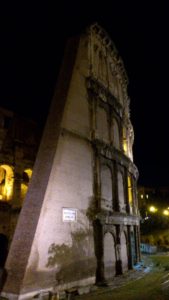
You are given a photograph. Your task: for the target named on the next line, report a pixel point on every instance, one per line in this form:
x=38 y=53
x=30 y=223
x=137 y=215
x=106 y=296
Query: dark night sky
x=32 y=43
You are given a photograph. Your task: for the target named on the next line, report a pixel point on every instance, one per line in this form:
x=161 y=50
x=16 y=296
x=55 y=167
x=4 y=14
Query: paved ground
x=120 y=281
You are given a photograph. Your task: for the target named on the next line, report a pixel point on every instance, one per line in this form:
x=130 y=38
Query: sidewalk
x=138 y=272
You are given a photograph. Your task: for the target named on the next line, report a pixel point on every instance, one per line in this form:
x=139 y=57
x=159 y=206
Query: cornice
x=109 y=44
x=109 y=152
x=103 y=93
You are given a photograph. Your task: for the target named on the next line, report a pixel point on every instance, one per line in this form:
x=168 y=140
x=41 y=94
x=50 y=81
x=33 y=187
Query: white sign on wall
x=69 y=214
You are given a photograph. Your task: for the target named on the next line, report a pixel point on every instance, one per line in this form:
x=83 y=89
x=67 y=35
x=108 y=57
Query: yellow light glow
x=130 y=195
x=153 y=209
x=166 y=212
x=29 y=172
x=6 y=182
x=24 y=189
x=141 y=196
x=125 y=144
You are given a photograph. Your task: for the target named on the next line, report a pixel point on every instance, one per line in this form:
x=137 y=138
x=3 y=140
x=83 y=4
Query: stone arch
x=130 y=193
x=125 y=141
x=133 y=247
x=102 y=124
x=26 y=176
x=6 y=182
x=121 y=195
x=102 y=67
x=113 y=82
x=115 y=135
x=106 y=187
x=124 y=251
x=109 y=256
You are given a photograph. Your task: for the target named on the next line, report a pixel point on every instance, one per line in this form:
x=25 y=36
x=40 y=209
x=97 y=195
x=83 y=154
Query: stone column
x=137 y=237
x=130 y=260
x=97 y=182
x=116 y=205
x=118 y=251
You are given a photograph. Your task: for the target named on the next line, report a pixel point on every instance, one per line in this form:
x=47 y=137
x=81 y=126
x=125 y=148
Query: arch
x=133 y=247
x=109 y=256
x=6 y=182
x=102 y=124
x=128 y=137
x=113 y=82
x=124 y=252
x=115 y=134
x=122 y=206
x=106 y=187
x=3 y=249
x=130 y=193
x=125 y=141
x=26 y=176
x=102 y=67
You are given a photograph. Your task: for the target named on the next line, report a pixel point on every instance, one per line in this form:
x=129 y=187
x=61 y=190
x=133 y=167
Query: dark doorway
x=3 y=249
x=98 y=243
x=133 y=248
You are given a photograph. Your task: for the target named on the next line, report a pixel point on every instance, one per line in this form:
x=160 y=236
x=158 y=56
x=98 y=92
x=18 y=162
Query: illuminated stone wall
x=80 y=219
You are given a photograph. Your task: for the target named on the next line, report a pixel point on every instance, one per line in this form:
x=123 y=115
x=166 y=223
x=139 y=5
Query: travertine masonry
x=79 y=223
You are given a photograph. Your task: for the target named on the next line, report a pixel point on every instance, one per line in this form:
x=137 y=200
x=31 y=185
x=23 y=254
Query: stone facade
x=18 y=148
x=80 y=223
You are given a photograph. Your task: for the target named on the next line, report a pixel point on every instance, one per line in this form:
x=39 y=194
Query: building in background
x=154 y=213
x=19 y=140
x=80 y=222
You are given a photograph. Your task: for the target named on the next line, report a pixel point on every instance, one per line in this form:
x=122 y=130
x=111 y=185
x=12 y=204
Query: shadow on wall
x=76 y=259
x=3 y=256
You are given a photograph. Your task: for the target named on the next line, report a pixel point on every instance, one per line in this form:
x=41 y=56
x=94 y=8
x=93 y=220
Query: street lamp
x=153 y=209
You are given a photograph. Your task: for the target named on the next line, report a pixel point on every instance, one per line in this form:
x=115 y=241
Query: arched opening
x=102 y=68
x=133 y=247
x=6 y=183
x=26 y=176
x=115 y=134
x=109 y=256
x=130 y=194
x=124 y=252
x=106 y=188
x=125 y=142
x=102 y=124
x=113 y=81
x=3 y=249
x=122 y=206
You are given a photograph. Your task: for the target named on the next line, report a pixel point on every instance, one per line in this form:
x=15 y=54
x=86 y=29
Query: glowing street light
x=153 y=209
x=166 y=212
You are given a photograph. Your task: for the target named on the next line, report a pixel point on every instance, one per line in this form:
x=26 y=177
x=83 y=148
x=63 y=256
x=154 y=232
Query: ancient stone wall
x=80 y=212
